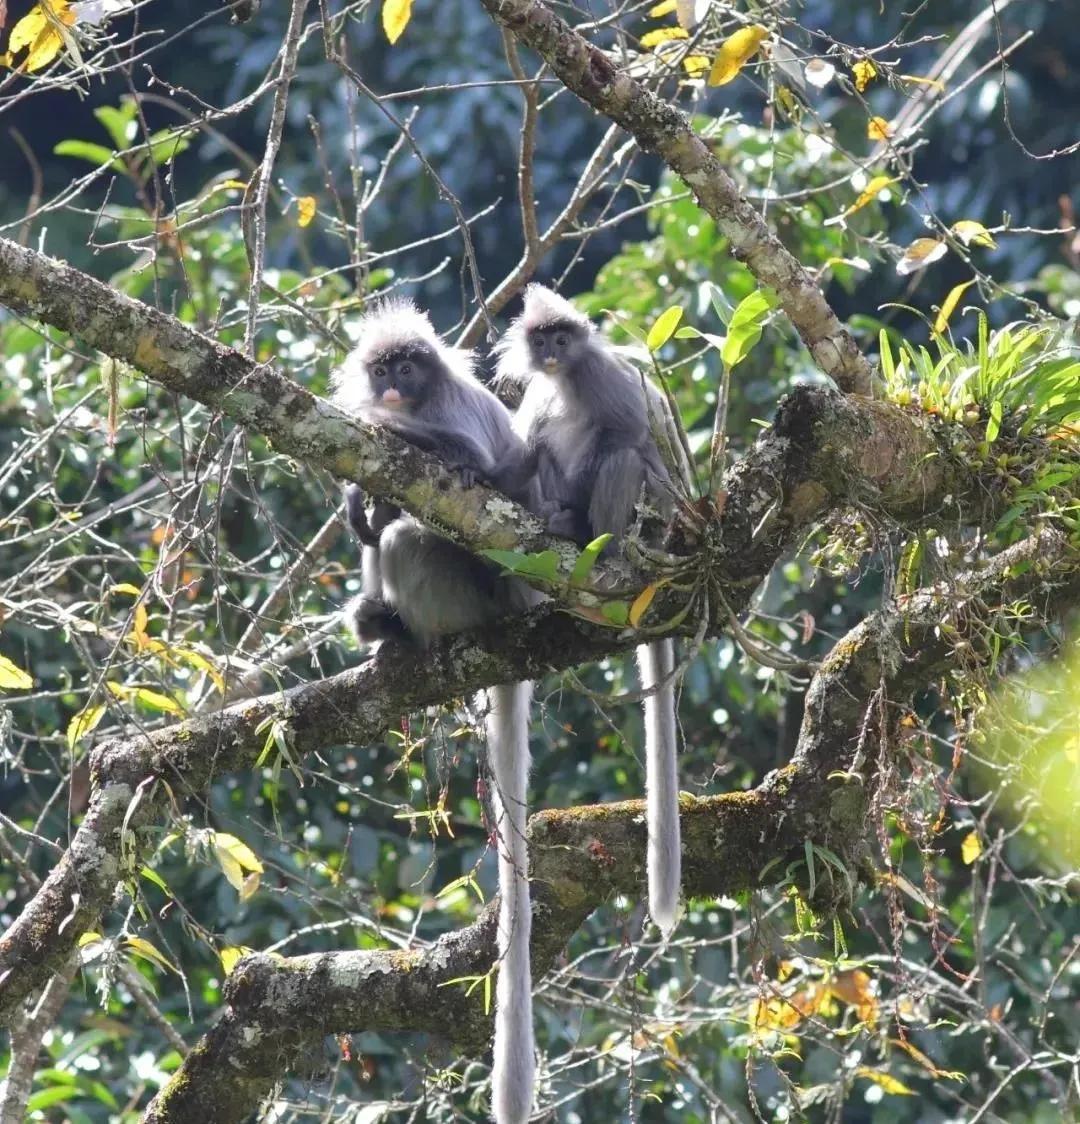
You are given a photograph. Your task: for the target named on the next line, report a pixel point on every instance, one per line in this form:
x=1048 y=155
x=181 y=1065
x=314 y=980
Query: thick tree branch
x=659 y=127
x=261 y=399
x=823 y=450
x=279 y=1011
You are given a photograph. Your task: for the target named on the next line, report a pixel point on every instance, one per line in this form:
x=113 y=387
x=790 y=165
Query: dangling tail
x=655 y=662
x=508 y=747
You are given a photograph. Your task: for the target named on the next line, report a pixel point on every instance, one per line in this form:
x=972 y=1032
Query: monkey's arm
x=457 y=449
x=357 y=515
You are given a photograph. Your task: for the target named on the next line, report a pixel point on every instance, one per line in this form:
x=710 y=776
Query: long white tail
x=655 y=662
x=508 y=748
x=370 y=572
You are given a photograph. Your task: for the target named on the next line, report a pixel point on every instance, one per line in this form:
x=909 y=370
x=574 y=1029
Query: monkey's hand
x=382 y=515
x=357 y=515
x=370 y=619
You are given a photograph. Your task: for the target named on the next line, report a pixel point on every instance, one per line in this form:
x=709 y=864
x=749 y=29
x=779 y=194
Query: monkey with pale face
x=588 y=420
x=418 y=586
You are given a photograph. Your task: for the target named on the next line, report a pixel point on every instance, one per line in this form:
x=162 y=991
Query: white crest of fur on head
x=391 y=326
x=543 y=306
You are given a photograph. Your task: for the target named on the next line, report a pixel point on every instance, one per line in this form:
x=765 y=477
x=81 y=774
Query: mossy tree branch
x=581 y=857
x=659 y=127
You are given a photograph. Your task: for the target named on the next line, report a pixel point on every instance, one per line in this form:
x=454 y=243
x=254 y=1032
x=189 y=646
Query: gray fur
x=419 y=584
x=588 y=420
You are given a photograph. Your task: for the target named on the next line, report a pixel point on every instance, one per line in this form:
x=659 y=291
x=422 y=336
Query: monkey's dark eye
x=405 y=369
x=562 y=339
x=379 y=371
x=538 y=339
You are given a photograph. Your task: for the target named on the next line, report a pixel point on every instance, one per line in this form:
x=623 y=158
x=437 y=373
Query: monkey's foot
x=370 y=619
x=563 y=522
x=468 y=475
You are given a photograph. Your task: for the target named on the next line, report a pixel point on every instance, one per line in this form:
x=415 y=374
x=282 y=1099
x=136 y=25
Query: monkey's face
x=402 y=380
x=555 y=347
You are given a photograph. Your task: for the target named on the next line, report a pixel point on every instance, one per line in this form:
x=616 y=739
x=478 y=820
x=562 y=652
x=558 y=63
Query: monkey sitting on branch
x=588 y=419
x=418 y=585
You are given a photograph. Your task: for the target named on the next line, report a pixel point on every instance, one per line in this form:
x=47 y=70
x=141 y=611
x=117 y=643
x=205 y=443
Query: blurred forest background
x=124 y=510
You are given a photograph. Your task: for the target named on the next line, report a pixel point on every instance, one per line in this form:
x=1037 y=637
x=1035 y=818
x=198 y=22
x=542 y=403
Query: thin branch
x=660 y=127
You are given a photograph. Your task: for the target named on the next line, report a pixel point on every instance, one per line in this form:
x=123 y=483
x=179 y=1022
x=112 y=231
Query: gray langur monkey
x=418 y=585
x=588 y=420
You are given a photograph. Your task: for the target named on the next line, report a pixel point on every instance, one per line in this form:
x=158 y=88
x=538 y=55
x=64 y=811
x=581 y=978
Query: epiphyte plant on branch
x=270 y=858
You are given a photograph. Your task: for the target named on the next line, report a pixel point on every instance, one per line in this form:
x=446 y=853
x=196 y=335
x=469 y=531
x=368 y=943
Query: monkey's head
x=404 y=378
x=554 y=334
x=398 y=363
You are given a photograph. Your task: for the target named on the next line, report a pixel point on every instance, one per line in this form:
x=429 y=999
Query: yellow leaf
x=971 y=232
x=867 y=195
x=149 y=698
x=395 y=17
x=232 y=955
x=663 y=9
x=88 y=938
x=885 y=1081
x=948 y=306
x=924 y=1061
x=856 y=988
x=124 y=587
x=971 y=848
x=156 y=701
x=12 y=677
x=235 y=857
x=642 y=602
x=920 y=254
x=662 y=35
x=878 y=129
x=664 y=328
x=788 y=102
x=38 y=32
x=198 y=660
x=865 y=72
x=735 y=52
x=249 y=886
x=147 y=951
x=936 y=83
x=695 y=65
x=305 y=210
x=141 y=619
x=83 y=723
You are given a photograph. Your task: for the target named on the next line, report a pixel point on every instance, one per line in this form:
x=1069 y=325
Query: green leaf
x=616 y=612
x=92 y=153
x=663 y=328
x=586 y=560
x=45 y=1097
x=153 y=876
x=146 y=951
x=745 y=328
x=119 y=122
x=544 y=565
x=164 y=145
x=993 y=425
